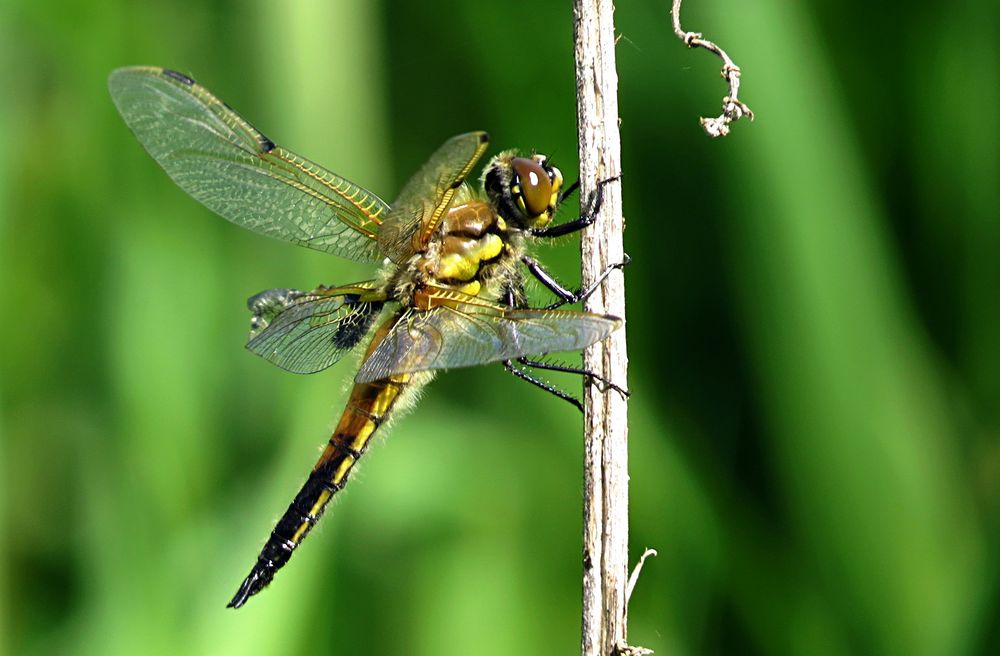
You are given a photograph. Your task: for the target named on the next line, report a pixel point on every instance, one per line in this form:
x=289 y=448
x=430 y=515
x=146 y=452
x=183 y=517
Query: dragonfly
x=450 y=291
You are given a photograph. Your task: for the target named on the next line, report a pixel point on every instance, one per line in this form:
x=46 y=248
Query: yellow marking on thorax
x=463 y=264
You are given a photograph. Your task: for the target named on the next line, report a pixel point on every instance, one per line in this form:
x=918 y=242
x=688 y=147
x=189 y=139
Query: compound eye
x=535 y=186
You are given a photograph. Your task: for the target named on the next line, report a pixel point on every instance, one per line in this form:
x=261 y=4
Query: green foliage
x=813 y=314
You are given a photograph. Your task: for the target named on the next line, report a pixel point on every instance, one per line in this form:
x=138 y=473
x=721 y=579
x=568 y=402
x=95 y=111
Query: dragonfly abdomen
x=367 y=409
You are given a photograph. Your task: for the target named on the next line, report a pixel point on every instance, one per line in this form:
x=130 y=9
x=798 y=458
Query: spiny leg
x=568 y=191
x=565 y=295
x=514 y=296
x=601 y=381
x=537 y=382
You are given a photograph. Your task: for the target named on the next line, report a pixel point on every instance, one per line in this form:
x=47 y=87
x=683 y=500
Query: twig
x=733 y=108
x=627 y=650
x=632 y=580
x=605 y=507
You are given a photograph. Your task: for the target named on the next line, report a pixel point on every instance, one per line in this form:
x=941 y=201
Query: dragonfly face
x=525 y=190
x=451 y=293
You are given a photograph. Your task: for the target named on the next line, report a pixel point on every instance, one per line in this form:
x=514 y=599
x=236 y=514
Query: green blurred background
x=814 y=323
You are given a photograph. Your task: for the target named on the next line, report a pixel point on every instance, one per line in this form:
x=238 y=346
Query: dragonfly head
x=524 y=189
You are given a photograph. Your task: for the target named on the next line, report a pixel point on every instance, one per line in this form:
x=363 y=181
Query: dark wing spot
x=180 y=77
x=353 y=329
x=266 y=144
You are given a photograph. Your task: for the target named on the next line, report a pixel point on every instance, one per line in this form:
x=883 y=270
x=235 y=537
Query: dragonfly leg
x=512 y=293
x=594 y=204
x=565 y=295
x=547 y=279
x=537 y=382
x=603 y=383
x=568 y=191
x=511 y=296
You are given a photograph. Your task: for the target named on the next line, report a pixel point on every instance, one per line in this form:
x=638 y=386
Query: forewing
x=306 y=332
x=428 y=195
x=221 y=160
x=467 y=335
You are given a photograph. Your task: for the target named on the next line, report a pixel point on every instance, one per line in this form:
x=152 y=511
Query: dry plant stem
x=605 y=525
x=733 y=108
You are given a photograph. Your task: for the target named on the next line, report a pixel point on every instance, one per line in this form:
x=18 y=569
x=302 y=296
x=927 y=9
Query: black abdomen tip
x=258 y=579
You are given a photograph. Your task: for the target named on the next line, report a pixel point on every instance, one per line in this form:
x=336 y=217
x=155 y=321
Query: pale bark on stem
x=605 y=511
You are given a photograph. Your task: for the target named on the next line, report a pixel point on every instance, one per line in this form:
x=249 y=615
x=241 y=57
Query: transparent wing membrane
x=306 y=332
x=465 y=334
x=428 y=195
x=221 y=160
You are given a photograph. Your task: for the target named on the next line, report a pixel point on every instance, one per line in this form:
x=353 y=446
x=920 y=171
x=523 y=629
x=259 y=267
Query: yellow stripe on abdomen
x=366 y=410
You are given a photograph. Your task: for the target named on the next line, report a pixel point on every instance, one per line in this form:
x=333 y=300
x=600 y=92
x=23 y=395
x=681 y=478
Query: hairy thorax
x=471 y=251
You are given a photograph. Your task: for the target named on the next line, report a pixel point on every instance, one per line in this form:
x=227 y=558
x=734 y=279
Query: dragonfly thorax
x=472 y=247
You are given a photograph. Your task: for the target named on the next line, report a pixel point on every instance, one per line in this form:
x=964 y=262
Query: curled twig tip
x=733 y=109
